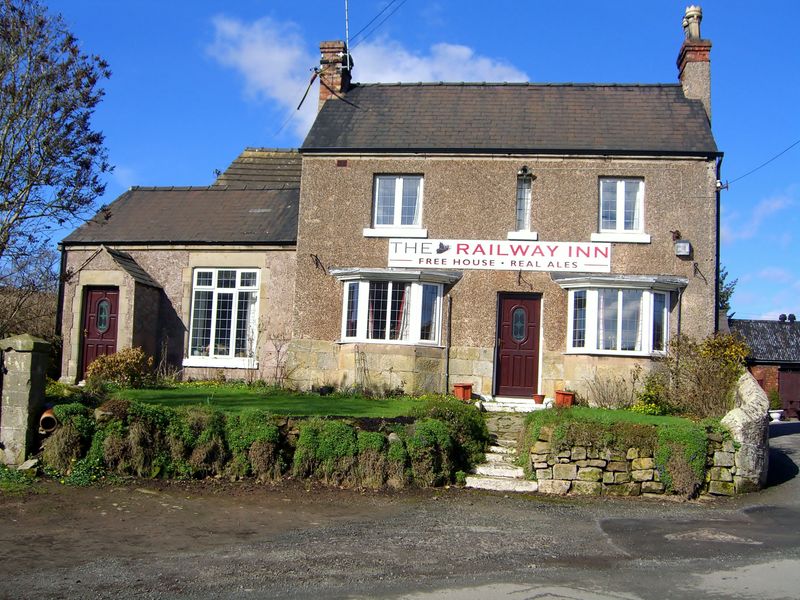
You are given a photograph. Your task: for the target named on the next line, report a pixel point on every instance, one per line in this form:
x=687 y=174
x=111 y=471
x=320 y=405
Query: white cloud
x=776 y=274
x=735 y=228
x=388 y=61
x=274 y=60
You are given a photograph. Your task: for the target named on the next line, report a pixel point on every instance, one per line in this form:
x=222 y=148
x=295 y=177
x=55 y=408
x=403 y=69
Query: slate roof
x=769 y=341
x=131 y=267
x=521 y=118
x=262 y=166
x=191 y=215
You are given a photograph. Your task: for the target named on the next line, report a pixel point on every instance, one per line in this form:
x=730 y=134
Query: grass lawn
x=233 y=399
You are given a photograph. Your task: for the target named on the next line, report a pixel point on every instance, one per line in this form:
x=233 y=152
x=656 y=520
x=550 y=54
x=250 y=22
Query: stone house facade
x=517 y=237
x=200 y=278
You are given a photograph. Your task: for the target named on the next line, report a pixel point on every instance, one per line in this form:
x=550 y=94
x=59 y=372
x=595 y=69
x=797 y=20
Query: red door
x=100 y=309
x=789 y=386
x=517 y=364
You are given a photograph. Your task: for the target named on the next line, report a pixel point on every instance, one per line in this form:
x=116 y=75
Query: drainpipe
x=447 y=343
x=60 y=308
x=680 y=309
x=716 y=278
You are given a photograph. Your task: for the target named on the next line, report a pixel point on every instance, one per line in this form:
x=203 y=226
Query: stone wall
x=585 y=470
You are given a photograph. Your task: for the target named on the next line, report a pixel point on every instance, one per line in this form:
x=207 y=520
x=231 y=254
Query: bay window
x=224 y=318
x=392 y=311
x=610 y=320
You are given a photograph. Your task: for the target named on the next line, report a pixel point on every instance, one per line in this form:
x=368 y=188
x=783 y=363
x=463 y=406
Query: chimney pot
x=782 y=318
x=691 y=22
x=792 y=318
x=335 y=65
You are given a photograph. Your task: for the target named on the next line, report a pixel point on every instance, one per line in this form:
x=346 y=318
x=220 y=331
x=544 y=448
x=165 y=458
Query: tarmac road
x=286 y=541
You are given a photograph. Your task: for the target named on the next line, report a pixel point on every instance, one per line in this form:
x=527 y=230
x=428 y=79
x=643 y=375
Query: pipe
x=447 y=344
x=48 y=422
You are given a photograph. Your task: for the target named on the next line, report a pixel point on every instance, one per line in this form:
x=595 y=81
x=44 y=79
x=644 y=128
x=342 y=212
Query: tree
x=725 y=289
x=51 y=159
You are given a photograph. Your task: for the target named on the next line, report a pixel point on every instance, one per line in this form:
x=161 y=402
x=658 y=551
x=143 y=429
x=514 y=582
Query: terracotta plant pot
x=538 y=398
x=564 y=399
x=463 y=391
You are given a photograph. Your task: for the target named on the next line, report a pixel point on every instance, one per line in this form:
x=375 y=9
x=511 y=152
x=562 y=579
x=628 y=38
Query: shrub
x=129 y=367
x=397 y=470
x=372 y=461
x=611 y=390
x=465 y=424
x=774 y=400
x=702 y=375
x=430 y=449
x=336 y=452
x=681 y=458
x=254 y=442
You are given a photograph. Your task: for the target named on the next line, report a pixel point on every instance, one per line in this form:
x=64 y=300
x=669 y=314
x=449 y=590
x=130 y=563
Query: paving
x=217 y=540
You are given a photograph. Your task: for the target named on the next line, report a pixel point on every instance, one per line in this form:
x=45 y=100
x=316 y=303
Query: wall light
x=683 y=248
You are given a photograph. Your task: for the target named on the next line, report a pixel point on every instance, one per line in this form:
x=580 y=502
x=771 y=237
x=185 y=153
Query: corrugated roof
x=273 y=167
x=131 y=267
x=207 y=215
x=769 y=341
x=520 y=118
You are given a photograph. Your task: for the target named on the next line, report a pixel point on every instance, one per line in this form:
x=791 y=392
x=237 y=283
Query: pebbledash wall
x=149 y=315
x=473 y=198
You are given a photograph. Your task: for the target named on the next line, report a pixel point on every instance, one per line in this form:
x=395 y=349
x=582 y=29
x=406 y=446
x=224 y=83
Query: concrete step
x=501 y=484
x=508 y=443
x=499 y=470
x=522 y=405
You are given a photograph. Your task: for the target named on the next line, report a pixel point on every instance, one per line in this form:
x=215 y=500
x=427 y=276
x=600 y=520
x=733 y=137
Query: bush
x=774 y=400
x=610 y=390
x=372 y=461
x=129 y=367
x=254 y=442
x=466 y=426
x=701 y=376
x=397 y=469
x=430 y=448
x=326 y=450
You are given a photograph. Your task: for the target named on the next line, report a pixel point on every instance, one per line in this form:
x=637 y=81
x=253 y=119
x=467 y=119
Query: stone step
x=501 y=458
x=499 y=470
x=503 y=449
x=501 y=484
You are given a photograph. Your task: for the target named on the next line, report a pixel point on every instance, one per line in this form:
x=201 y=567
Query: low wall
x=585 y=470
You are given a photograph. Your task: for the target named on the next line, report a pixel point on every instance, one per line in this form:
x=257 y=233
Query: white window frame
x=646 y=317
x=415 y=312
x=619 y=233
x=522 y=231
x=230 y=361
x=396 y=228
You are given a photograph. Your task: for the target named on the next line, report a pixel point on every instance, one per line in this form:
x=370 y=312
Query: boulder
x=749 y=428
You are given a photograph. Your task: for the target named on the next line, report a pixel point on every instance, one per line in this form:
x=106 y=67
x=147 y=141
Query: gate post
x=25 y=362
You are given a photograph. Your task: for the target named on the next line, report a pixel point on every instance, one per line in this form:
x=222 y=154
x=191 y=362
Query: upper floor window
x=621 y=211
x=224 y=318
x=397 y=207
x=522 y=208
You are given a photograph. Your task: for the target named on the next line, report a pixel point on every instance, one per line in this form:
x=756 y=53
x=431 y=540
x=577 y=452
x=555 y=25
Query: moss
x=430 y=446
x=465 y=424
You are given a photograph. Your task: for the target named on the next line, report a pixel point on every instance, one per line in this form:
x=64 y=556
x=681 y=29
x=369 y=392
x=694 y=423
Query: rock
x=622 y=477
x=608 y=477
x=543 y=474
x=586 y=488
x=720 y=474
x=642 y=463
x=622 y=489
x=642 y=475
x=617 y=466
x=590 y=474
x=541 y=448
x=578 y=453
x=721 y=488
x=101 y=416
x=29 y=464
x=723 y=459
x=748 y=426
x=546 y=434
x=652 y=487
x=632 y=453
x=554 y=486
x=567 y=471
x=393 y=437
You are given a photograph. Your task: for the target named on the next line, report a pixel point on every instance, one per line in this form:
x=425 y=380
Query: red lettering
x=479 y=250
x=582 y=251
x=462 y=248
x=537 y=251
x=552 y=250
x=601 y=252
x=517 y=249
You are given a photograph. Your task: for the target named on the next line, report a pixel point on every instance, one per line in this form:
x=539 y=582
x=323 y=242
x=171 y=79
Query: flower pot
x=564 y=399
x=775 y=415
x=463 y=391
x=538 y=398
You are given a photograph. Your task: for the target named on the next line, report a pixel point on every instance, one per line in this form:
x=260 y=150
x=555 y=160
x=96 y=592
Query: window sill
x=396 y=232
x=618 y=353
x=391 y=343
x=522 y=235
x=619 y=236
x=220 y=363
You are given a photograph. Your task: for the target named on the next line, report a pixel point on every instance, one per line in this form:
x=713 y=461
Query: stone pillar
x=25 y=360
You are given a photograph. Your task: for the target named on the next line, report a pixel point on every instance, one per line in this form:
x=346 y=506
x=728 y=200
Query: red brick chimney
x=335 y=65
x=694 y=64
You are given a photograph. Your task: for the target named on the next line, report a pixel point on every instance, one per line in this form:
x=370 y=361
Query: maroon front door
x=517 y=364
x=100 y=308
x=789 y=386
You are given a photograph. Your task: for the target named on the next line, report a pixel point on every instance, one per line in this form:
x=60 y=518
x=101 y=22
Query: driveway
x=212 y=540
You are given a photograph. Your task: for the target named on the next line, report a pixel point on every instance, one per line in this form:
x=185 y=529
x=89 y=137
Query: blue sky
x=194 y=82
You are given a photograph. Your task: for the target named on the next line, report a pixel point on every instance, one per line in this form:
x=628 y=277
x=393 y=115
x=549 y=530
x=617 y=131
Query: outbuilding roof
x=514 y=117
x=262 y=166
x=194 y=215
x=769 y=341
